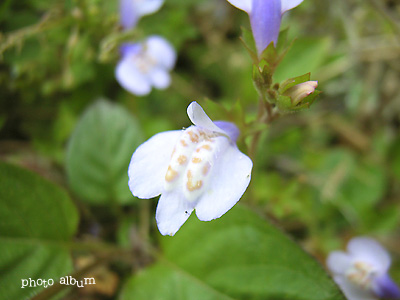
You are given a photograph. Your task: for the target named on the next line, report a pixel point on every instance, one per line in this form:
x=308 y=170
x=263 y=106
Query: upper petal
x=230 y=128
x=368 y=250
x=147 y=7
x=172 y=211
x=338 y=262
x=149 y=164
x=289 y=4
x=128 y=14
x=265 y=20
x=199 y=118
x=161 y=51
x=242 y=4
x=230 y=177
x=130 y=78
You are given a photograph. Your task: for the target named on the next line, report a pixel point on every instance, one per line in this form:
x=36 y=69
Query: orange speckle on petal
x=171 y=174
x=193 y=186
x=182 y=159
x=206 y=169
x=193 y=137
x=206 y=147
x=196 y=160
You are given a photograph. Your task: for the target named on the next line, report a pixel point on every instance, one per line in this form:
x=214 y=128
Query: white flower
x=362 y=272
x=144 y=65
x=132 y=10
x=198 y=168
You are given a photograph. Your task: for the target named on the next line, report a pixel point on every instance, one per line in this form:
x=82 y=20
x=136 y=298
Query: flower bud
x=300 y=91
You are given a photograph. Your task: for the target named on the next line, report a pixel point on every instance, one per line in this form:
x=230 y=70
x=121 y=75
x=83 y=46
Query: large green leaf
x=37 y=219
x=99 y=152
x=305 y=56
x=239 y=256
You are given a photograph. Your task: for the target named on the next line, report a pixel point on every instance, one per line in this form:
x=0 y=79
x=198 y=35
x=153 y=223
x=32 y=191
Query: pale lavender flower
x=197 y=168
x=265 y=18
x=144 y=65
x=132 y=10
x=362 y=271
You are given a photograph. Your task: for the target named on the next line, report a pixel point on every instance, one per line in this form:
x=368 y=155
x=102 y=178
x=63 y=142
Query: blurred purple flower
x=198 y=168
x=265 y=18
x=144 y=65
x=362 y=272
x=132 y=10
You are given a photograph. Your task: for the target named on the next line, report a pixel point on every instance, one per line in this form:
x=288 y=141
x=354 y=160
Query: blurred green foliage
x=34 y=231
x=324 y=175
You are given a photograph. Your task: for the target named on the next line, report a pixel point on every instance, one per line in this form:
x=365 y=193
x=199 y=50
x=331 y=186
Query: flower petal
x=130 y=78
x=128 y=14
x=159 y=78
x=351 y=291
x=242 y=4
x=386 y=288
x=229 y=179
x=338 y=262
x=130 y=49
x=147 y=7
x=368 y=250
x=161 y=51
x=149 y=164
x=172 y=211
x=230 y=128
x=199 y=118
x=289 y=4
x=265 y=20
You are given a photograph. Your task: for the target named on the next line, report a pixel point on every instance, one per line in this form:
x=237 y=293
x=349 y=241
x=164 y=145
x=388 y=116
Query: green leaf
x=37 y=219
x=99 y=152
x=239 y=256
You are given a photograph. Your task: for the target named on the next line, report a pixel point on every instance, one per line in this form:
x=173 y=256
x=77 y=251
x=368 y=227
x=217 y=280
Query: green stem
x=144 y=220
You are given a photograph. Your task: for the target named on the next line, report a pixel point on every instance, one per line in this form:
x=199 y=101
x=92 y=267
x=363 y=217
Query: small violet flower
x=144 y=65
x=197 y=168
x=265 y=18
x=132 y=10
x=362 y=272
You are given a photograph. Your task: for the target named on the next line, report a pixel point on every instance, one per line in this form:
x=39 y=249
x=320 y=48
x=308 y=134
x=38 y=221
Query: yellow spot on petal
x=184 y=144
x=206 y=169
x=171 y=174
x=196 y=160
x=193 y=186
x=193 y=137
x=206 y=147
x=182 y=159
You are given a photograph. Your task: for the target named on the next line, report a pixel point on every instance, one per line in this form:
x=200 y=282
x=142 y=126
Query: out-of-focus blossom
x=301 y=91
x=132 y=10
x=198 y=168
x=144 y=65
x=265 y=18
x=362 y=271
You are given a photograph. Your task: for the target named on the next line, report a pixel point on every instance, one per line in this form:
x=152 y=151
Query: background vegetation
x=322 y=175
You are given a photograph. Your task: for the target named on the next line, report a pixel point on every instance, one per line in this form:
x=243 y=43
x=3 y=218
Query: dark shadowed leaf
x=37 y=219
x=239 y=256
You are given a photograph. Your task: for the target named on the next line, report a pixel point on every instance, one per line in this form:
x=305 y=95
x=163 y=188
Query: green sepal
x=286 y=105
x=248 y=42
x=288 y=83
